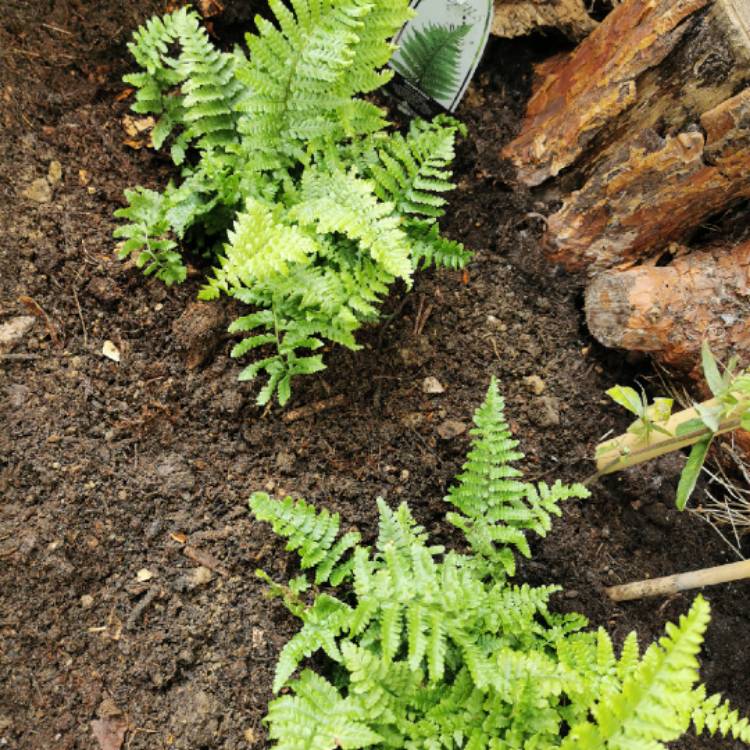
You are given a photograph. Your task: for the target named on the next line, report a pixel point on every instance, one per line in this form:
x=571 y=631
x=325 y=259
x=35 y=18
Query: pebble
x=201 y=576
x=545 y=411
x=13 y=330
x=451 y=428
x=38 y=191
x=87 y=601
x=54 y=175
x=432 y=385
x=535 y=384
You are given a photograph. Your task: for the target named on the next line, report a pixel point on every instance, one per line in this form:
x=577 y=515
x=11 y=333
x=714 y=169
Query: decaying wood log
x=654 y=190
x=670 y=310
x=520 y=17
x=650 y=64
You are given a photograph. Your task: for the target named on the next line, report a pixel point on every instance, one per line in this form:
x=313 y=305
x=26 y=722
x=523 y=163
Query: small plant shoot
x=433 y=648
x=657 y=431
x=290 y=182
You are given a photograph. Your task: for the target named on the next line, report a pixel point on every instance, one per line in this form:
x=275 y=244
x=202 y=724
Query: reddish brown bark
x=655 y=190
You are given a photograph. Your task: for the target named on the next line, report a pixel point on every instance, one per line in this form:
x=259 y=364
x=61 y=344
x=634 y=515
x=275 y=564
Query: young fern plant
x=308 y=205
x=430 y=648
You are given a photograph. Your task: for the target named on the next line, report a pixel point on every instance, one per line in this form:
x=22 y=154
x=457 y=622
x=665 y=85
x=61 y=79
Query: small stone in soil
x=54 y=175
x=545 y=411
x=432 y=385
x=535 y=384
x=200 y=576
x=451 y=428
x=38 y=191
x=13 y=330
x=87 y=601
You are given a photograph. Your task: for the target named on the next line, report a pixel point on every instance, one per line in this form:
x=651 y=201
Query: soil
x=107 y=468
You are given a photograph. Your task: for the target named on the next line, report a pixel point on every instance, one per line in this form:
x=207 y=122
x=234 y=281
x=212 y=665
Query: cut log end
x=670 y=310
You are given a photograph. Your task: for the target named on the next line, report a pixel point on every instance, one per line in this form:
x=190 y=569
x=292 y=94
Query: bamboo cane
x=630 y=449
x=680 y=582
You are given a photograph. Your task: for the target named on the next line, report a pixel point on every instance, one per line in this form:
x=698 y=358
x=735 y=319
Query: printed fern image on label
x=440 y=48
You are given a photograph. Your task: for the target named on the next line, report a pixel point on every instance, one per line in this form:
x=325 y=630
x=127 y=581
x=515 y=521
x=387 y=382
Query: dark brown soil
x=104 y=465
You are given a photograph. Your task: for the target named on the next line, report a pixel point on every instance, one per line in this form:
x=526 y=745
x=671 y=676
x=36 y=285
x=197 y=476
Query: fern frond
x=656 y=701
x=413 y=172
x=198 y=90
x=495 y=508
x=312 y=534
x=322 y=624
x=429 y=58
x=146 y=236
x=337 y=202
x=305 y=72
x=714 y=715
x=316 y=716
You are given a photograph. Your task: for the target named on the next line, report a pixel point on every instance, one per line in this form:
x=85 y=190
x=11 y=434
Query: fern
x=430 y=57
x=430 y=648
x=308 y=206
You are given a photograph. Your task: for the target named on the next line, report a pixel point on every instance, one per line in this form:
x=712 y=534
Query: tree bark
x=670 y=310
x=651 y=64
x=520 y=17
x=655 y=190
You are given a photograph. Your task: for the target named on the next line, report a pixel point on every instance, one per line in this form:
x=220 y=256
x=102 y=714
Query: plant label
x=438 y=52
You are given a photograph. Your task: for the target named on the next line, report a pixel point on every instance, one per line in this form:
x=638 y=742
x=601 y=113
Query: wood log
x=514 y=18
x=655 y=190
x=670 y=310
x=651 y=64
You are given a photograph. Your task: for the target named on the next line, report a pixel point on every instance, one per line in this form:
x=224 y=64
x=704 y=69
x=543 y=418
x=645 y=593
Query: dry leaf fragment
x=110 y=351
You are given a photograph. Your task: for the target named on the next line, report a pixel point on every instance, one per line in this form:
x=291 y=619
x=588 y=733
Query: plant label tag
x=438 y=51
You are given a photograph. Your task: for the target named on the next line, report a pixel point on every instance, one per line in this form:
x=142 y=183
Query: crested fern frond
x=429 y=58
x=434 y=649
x=316 y=716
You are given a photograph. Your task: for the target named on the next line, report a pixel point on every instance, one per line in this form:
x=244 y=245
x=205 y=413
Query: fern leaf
x=310 y=533
x=656 y=701
x=318 y=717
x=323 y=623
x=430 y=58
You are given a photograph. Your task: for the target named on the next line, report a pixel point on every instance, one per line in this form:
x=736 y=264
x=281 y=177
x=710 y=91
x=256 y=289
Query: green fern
x=309 y=207
x=429 y=648
x=429 y=58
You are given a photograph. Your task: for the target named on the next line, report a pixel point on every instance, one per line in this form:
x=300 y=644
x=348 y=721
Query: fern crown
x=429 y=648
x=308 y=205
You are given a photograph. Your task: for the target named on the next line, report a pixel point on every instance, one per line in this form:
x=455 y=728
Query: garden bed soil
x=106 y=468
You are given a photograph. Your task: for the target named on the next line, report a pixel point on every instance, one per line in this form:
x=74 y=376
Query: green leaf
x=626 y=397
x=690 y=425
x=711 y=370
x=746 y=421
x=710 y=416
x=691 y=472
